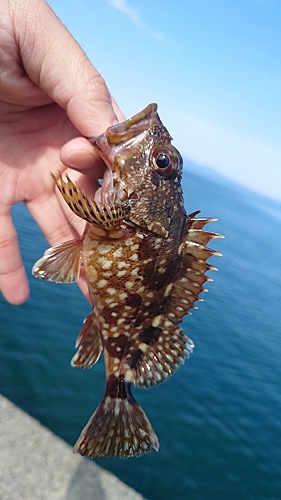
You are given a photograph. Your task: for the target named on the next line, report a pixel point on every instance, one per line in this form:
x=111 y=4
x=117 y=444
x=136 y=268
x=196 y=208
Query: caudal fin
x=118 y=428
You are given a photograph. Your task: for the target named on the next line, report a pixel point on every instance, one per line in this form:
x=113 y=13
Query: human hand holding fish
x=47 y=106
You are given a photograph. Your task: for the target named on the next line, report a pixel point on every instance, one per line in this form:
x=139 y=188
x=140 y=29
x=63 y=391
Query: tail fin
x=118 y=428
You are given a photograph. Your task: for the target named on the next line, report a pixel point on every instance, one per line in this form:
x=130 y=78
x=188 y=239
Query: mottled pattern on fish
x=145 y=263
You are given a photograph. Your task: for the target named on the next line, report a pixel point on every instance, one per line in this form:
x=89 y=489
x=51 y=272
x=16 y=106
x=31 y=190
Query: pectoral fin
x=61 y=263
x=105 y=216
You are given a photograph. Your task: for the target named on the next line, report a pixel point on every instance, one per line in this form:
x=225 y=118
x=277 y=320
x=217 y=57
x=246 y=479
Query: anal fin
x=89 y=342
x=61 y=263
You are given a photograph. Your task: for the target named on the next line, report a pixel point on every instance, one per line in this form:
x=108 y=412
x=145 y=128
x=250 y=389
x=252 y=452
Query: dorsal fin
x=169 y=347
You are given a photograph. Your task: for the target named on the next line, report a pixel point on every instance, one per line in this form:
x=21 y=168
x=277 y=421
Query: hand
x=49 y=94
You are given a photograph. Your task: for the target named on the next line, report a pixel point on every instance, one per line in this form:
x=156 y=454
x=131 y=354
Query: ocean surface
x=218 y=418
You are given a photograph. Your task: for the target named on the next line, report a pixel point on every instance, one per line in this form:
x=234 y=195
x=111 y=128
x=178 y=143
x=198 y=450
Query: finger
x=85 y=182
x=80 y=155
x=82 y=283
x=56 y=224
x=13 y=280
x=53 y=60
x=118 y=112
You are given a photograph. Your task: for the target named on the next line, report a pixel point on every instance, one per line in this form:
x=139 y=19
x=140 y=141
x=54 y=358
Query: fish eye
x=166 y=160
x=162 y=161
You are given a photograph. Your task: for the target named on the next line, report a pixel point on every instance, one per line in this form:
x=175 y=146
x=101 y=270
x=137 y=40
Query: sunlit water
x=218 y=418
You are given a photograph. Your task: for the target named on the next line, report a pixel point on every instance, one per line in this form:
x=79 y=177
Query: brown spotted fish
x=145 y=263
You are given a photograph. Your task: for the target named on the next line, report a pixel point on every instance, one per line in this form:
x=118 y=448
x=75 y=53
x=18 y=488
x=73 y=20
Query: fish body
x=145 y=263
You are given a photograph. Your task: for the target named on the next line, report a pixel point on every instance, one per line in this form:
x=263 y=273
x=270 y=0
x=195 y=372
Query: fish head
x=143 y=170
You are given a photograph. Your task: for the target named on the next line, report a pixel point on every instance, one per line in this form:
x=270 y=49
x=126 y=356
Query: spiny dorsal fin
x=169 y=347
x=89 y=343
x=106 y=216
x=192 y=271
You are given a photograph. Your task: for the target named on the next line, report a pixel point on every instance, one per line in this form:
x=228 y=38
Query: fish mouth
x=125 y=131
x=108 y=193
x=115 y=141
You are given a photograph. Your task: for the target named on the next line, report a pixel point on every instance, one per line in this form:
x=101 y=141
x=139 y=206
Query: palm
x=30 y=144
x=29 y=149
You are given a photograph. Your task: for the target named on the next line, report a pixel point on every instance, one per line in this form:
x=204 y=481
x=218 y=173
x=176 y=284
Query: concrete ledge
x=37 y=465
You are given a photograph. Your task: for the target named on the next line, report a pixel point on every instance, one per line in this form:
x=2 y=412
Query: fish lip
x=124 y=131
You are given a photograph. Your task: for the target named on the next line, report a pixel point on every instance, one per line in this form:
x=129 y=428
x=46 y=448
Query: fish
x=145 y=262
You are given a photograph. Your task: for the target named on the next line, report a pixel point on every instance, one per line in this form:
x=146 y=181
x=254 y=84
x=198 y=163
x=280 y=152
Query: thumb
x=56 y=63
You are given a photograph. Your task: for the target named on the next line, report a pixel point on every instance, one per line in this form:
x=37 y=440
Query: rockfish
x=145 y=264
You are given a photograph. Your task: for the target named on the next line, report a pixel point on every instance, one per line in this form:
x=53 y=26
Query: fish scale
x=145 y=263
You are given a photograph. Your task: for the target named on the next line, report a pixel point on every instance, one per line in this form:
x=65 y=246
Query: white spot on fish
x=104 y=262
x=129 y=376
x=135 y=271
x=129 y=242
x=118 y=253
x=120 y=274
x=143 y=347
x=168 y=289
x=102 y=249
x=134 y=257
x=157 y=320
x=122 y=264
x=129 y=284
x=102 y=283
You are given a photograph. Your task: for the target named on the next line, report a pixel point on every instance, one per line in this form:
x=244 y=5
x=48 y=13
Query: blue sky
x=212 y=66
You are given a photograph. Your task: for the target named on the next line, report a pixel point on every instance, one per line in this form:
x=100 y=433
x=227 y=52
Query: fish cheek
x=155 y=179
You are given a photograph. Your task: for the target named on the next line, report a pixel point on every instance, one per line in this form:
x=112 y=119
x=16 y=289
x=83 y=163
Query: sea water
x=218 y=417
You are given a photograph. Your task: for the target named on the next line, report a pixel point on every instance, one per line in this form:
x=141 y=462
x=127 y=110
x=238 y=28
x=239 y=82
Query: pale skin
x=51 y=98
